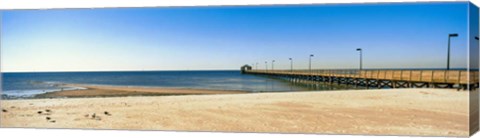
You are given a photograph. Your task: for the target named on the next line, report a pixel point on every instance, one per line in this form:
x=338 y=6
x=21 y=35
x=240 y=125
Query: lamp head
x=311 y=55
x=359 y=49
x=452 y=35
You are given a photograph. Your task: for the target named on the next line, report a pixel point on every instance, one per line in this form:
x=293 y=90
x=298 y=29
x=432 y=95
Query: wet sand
x=432 y=112
x=116 y=91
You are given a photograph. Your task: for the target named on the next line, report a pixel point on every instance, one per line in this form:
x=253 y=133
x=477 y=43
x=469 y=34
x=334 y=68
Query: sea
x=29 y=84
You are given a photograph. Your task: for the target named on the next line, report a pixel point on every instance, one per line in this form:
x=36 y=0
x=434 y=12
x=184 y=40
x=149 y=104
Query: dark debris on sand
x=94 y=116
x=4 y=110
x=46 y=112
x=107 y=113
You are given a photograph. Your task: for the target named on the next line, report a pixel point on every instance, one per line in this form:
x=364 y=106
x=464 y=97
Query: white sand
x=437 y=112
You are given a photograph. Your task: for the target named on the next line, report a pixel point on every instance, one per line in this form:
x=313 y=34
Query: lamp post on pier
x=266 y=66
x=273 y=61
x=291 y=64
x=448 y=55
x=360 y=51
x=310 y=63
x=256 y=65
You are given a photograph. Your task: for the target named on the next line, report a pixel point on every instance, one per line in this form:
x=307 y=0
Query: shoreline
x=438 y=112
x=122 y=91
x=94 y=90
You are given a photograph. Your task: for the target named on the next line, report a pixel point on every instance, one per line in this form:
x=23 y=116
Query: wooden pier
x=461 y=79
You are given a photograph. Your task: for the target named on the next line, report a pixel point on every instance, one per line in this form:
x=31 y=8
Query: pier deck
x=383 y=78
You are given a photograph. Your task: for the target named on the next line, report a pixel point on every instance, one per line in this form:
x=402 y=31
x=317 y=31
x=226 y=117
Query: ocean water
x=30 y=84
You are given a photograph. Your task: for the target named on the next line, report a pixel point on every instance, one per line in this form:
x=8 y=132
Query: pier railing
x=461 y=77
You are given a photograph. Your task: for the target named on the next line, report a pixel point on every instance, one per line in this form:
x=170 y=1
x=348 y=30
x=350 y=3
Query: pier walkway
x=461 y=79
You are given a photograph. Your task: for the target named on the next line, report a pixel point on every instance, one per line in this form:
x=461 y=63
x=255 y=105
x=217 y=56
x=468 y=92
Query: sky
x=409 y=35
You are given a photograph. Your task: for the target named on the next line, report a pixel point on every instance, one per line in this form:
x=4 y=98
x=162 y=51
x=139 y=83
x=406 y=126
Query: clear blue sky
x=206 y=38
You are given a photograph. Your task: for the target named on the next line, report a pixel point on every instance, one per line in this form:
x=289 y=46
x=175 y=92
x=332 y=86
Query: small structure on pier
x=245 y=68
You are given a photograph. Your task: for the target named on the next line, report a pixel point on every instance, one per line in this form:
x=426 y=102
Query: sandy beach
x=433 y=112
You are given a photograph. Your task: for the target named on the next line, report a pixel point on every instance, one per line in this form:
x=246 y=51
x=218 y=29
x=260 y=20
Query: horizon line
x=116 y=70
x=226 y=70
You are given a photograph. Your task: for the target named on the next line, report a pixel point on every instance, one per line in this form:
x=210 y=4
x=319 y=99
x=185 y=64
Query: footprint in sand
x=97 y=118
x=4 y=110
x=93 y=116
